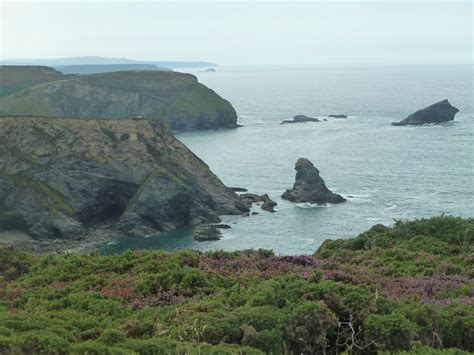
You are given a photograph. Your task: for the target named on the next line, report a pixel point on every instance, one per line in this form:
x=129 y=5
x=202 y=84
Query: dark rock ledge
x=301 y=119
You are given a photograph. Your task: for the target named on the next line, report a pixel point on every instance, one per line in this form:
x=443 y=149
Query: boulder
x=309 y=186
x=301 y=119
x=439 y=112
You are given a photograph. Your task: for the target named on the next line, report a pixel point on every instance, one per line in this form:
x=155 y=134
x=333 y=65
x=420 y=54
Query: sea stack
x=439 y=112
x=309 y=186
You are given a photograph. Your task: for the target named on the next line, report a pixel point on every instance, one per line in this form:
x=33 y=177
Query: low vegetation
x=404 y=289
x=14 y=78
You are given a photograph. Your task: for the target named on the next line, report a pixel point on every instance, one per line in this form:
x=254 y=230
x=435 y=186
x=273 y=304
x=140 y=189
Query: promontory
x=175 y=98
x=70 y=179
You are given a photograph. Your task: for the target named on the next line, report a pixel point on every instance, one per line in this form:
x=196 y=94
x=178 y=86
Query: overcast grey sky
x=243 y=33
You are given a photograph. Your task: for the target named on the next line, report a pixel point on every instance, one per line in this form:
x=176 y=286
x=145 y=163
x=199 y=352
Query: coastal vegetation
x=175 y=98
x=407 y=289
x=15 y=78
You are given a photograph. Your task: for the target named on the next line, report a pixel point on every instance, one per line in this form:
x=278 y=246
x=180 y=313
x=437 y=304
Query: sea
x=387 y=173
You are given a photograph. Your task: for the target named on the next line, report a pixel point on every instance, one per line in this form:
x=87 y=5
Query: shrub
x=310 y=328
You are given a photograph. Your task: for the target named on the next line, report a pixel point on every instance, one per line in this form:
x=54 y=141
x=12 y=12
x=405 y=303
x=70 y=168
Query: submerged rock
x=68 y=178
x=439 y=112
x=337 y=116
x=309 y=186
x=301 y=119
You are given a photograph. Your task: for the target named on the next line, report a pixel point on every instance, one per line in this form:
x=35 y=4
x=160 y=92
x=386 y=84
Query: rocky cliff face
x=66 y=178
x=309 y=186
x=439 y=112
x=176 y=98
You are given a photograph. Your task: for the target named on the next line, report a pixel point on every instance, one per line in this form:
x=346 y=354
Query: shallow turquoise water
x=391 y=172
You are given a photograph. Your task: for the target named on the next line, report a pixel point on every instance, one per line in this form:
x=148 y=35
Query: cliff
x=176 y=98
x=66 y=178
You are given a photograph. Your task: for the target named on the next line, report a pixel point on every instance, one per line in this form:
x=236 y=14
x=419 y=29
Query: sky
x=242 y=33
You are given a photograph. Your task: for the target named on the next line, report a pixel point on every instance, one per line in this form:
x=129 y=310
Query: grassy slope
x=407 y=288
x=17 y=78
x=180 y=92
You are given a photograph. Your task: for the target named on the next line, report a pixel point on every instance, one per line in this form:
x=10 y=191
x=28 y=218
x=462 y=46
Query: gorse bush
x=404 y=289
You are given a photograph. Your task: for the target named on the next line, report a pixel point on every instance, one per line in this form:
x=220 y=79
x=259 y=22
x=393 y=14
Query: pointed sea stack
x=439 y=112
x=309 y=186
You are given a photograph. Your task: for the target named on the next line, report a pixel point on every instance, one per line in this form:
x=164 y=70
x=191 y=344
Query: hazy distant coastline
x=93 y=60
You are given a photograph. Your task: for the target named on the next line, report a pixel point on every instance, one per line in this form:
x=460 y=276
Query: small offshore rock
x=301 y=119
x=239 y=189
x=222 y=226
x=439 y=112
x=207 y=232
x=309 y=186
x=267 y=204
x=338 y=116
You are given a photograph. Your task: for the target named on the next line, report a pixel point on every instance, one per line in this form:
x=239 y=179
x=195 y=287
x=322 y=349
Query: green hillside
x=406 y=289
x=176 y=98
x=16 y=78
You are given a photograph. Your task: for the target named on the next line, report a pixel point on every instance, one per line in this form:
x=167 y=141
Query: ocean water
x=386 y=172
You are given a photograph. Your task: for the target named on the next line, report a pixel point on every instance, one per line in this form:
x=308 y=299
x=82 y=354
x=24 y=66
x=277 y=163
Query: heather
x=404 y=289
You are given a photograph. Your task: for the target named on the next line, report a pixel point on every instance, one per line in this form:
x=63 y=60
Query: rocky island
x=309 y=186
x=176 y=98
x=78 y=179
x=301 y=119
x=439 y=112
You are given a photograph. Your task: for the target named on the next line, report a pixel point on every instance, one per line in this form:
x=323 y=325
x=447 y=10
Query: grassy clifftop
x=15 y=78
x=402 y=289
x=177 y=98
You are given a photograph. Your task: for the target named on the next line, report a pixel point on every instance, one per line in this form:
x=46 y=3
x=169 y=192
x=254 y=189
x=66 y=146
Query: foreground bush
x=404 y=289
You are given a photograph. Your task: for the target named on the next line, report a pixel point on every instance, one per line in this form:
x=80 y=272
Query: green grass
x=16 y=78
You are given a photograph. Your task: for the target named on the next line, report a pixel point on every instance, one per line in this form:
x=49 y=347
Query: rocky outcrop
x=301 y=119
x=337 y=116
x=439 y=112
x=309 y=186
x=209 y=232
x=264 y=201
x=176 y=98
x=66 y=178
